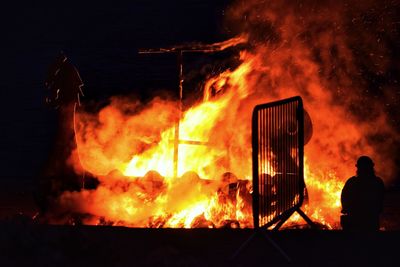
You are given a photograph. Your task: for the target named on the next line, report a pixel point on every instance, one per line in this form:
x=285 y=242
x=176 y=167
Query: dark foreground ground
x=23 y=243
x=45 y=245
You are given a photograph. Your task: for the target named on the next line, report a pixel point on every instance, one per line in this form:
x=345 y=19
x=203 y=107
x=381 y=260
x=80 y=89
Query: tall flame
x=129 y=147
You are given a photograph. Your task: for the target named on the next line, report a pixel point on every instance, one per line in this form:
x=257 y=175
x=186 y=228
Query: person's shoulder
x=351 y=180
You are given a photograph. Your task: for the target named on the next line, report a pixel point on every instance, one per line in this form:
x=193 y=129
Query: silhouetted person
x=63 y=86
x=362 y=198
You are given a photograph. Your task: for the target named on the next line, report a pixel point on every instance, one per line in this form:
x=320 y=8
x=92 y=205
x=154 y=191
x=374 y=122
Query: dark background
x=102 y=41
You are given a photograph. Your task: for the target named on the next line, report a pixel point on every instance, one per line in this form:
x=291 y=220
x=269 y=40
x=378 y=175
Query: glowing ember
x=129 y=147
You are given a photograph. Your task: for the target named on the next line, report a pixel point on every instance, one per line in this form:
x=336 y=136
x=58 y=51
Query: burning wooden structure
x=180 y=51
x=278 y=140
x=213 y=201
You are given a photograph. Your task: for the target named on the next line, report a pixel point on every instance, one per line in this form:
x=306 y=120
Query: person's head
x=365 y=166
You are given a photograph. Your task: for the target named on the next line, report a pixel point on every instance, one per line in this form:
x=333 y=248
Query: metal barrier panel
x=278 y=152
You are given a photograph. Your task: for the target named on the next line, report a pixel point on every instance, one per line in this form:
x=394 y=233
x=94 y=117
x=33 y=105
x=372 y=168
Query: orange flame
x=130 y=149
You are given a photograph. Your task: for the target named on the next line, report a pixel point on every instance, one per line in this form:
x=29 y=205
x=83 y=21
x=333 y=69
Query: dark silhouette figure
x=63 y=86
x=362 y=198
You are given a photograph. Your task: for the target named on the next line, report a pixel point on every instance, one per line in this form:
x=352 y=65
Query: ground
x=45 y=245
x=24 y=243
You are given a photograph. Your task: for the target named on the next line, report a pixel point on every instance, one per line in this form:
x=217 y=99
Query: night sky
x=102 y=41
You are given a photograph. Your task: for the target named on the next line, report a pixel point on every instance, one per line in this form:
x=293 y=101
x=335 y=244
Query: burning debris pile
x=154 y=201
x=290 y=49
